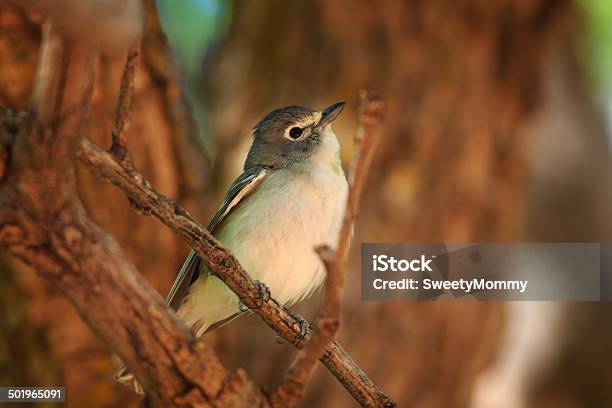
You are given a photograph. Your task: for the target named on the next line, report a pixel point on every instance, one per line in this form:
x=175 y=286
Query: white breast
x=274 y=232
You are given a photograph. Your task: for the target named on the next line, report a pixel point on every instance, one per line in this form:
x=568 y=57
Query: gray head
x=290 y=135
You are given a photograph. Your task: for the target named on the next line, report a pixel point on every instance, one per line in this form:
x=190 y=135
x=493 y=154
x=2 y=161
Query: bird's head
x=294 y=135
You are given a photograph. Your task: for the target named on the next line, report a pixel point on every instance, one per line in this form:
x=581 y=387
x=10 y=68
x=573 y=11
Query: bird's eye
x=295 y=132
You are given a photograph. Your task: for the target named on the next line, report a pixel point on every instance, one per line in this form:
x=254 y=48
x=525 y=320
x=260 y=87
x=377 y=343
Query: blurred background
x=497 y=130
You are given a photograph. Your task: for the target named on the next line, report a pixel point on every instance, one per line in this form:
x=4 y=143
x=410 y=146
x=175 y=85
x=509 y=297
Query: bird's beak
x=329 y=114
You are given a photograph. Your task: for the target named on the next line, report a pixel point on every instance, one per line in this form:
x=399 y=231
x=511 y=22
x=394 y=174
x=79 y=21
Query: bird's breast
x=273 y=233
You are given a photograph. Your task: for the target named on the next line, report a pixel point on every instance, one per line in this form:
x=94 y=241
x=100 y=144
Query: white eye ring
x=294 y=132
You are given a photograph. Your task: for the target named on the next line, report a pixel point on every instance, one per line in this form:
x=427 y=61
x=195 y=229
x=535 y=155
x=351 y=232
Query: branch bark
x=119 y=143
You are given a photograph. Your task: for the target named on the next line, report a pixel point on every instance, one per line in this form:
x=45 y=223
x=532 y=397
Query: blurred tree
x=192 y=26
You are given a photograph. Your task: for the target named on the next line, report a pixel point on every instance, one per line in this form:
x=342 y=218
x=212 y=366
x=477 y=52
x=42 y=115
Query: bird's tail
x=125 y=377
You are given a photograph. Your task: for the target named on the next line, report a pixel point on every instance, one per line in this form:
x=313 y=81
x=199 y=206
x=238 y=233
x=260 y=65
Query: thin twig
x=119 y=145
x=366 y=138
x=291 y=389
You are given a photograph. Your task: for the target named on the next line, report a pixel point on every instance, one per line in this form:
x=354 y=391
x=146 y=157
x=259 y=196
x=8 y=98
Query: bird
x=289 y=199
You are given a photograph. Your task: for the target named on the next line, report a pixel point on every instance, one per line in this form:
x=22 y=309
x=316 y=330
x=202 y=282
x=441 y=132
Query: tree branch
x=118 y=147
x=291 y=390
x=225 y=266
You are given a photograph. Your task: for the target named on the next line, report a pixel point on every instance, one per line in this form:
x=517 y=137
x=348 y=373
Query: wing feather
x=243 y=186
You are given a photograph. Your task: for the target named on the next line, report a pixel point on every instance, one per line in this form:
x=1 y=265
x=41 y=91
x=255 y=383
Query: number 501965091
x=32 y=394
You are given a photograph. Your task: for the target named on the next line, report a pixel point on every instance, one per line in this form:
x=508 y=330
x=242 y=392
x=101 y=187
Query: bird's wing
x=186 y=276
x=242 y=187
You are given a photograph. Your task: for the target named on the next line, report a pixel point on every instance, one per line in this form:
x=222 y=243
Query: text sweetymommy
x=466 y=285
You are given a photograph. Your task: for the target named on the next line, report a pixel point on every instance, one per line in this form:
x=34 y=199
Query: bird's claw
x=242 y=307
x=264 y=296
x=304 y=328
x=264 y=292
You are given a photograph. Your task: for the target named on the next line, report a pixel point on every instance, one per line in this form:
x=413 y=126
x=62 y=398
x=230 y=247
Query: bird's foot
x=304 y=328
x=264 y=296
x=264 y=292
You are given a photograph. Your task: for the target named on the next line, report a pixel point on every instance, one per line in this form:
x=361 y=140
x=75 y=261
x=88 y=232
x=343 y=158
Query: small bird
x=289 y=199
